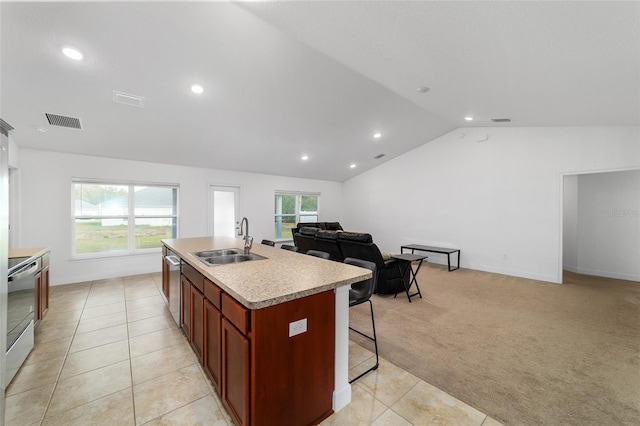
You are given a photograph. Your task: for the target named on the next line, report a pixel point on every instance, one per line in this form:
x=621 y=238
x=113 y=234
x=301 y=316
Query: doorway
x=601 y=224
x=224 y=210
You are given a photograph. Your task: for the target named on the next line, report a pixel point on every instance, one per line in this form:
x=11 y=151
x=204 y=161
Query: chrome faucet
x=248 y=241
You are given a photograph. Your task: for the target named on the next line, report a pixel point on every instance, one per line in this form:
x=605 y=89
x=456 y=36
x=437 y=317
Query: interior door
x=224 y=210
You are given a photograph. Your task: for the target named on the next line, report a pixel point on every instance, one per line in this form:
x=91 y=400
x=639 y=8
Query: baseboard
x=570 y=268
x=515 y=273
x=102 y=275
x=606 y=274
x=341 y=397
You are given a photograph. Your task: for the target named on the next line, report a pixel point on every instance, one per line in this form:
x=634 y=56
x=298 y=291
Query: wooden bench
x=441 y=250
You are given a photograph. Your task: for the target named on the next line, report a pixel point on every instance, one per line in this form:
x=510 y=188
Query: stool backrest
x=318 y=253
x=289 y=247
x=362 y=291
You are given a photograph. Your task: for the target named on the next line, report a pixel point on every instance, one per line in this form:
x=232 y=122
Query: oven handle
x=19 y=275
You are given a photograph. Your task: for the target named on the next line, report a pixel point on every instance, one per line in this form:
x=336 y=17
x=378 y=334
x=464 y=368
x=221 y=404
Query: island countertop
x=283 y=276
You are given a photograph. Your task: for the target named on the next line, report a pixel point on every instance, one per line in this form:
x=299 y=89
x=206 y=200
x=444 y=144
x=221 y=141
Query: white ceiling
x=283 y=79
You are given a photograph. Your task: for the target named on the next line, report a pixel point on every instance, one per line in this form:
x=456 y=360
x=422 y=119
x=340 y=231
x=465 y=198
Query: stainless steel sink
x=225 y=256
x=213 y=253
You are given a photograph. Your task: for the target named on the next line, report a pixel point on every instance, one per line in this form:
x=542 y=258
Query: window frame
x=298 y=195
x=130 y=217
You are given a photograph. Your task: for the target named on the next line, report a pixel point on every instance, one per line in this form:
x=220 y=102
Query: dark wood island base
x=270 y=366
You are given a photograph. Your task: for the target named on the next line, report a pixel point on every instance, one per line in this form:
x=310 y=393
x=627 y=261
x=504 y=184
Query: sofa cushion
x=333 y=226
x=327 y=235
x=310 y=225
x=356 y=236
x=308 y=230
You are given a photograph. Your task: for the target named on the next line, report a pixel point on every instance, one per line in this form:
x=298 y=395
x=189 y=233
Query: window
x=122 y=218
x=291 y=208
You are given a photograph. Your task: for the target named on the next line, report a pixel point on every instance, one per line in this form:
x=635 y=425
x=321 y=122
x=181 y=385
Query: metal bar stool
x=289 y=247
x=268 y=243
x=318 y=253
x=359 y=293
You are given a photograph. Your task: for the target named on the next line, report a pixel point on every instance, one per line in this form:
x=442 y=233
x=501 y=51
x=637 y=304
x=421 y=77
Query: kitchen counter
x=28 y=252
x=281 y=277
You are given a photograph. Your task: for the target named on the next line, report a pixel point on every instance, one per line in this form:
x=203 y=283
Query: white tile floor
x=108 y=353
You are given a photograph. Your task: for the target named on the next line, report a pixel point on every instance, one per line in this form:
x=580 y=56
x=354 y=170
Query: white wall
x=46 y=205
x=570 y=224
x=14 y=153
x=609 y=225
x=489 y=191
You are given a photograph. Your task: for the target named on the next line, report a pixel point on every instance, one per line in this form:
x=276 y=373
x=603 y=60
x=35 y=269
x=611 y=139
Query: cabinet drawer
x=237 y=314
x=194 y=276
x=212 y=292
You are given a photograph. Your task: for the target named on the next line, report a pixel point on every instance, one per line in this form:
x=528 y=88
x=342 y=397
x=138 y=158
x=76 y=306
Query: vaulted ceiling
x=317 y=78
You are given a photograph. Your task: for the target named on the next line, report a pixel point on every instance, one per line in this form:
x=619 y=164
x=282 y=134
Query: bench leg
x=449 y=262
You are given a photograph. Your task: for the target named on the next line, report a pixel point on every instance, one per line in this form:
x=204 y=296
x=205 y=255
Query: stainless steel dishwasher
x=174 y=286
x=21 y=297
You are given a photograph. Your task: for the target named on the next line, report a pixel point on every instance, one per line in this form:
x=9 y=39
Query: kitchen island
x=272 y=334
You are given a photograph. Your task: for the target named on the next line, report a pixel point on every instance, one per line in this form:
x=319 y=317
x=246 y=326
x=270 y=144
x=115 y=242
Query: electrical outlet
x=505 y=257
x=297 y=327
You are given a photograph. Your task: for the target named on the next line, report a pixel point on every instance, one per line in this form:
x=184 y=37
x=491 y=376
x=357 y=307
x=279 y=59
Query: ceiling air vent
x=379 y=156
x=501 y=120
x=63 y=121
x=128 y=99
x=5 y=127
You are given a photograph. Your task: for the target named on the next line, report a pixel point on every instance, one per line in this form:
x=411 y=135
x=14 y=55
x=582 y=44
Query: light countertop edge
x=28 y=252
x=281 y=277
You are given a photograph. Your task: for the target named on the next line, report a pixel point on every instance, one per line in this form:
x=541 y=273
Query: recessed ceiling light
x=305 y=157
x=468 y=118
x=352 y=165
x=422 y=89
x=377 y=135
x=196 y=88
x=72 y=53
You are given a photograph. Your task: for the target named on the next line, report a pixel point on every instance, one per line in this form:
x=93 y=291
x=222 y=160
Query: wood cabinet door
x=185 y=316
x=235 y=372
x=38 y=301
x=44 y=293
x=197 y=322
x=213 y=344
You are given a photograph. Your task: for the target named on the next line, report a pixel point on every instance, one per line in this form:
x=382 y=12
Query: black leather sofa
x=340 y=245
x=329 y=226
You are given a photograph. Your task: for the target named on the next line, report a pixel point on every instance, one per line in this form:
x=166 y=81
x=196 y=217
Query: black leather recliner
x=304 y=239
x=327 y=241
x=361 y=246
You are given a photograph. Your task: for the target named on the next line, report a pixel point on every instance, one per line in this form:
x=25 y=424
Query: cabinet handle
x=174 y=260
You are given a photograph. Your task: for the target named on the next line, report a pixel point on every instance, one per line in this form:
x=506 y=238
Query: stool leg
x=375 y=344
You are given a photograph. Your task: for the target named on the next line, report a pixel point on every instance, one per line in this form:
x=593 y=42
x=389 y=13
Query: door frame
x=560 y=277
x=237 y=189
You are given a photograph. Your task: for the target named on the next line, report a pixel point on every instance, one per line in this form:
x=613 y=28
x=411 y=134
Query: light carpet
x=523 y=351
